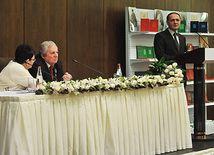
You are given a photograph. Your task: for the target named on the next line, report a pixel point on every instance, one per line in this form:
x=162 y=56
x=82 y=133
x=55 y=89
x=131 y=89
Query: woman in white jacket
x=15 y=75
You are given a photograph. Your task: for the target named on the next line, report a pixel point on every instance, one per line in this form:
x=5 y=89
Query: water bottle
x=119 y=71
x=39 y=78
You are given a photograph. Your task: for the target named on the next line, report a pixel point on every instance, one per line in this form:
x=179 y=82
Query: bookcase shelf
x=193 y=34
x=206 y=81
x=206 y=104
x=142 y=60
x=141 y=33
x=154 y=33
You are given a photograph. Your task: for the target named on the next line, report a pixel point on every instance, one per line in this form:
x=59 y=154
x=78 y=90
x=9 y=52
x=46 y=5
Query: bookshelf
x=134 y=65
x=146 y=38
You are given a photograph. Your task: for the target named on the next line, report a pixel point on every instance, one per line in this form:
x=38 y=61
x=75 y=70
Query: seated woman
x=15 y=75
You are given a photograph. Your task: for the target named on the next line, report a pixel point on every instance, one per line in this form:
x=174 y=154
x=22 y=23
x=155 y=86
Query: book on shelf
x=145 y=24
x=158 y=14
x=183 y=16
x=189 y=47
x=202 y=27
x=209 y=78
x=192 y=96
x=204 y=18
x=194 y=26
x=145 y=52
x=195 y=16
x=141 y=52
x=133 y=23
x=153 y=25
x=189 y=97
x=190 y=74
x=206 y=99
x=150 y=52
x=182 y=27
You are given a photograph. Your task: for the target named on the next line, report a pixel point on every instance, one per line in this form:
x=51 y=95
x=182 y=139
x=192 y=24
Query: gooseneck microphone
x=55 y=78
x=88 y=67
x=202 y=38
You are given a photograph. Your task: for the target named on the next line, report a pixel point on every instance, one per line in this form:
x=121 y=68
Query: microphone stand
x=88 y=67
x=202 y=38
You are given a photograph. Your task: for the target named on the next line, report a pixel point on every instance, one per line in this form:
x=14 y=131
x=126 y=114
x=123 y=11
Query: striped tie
x=51 y=70
x=176 y=41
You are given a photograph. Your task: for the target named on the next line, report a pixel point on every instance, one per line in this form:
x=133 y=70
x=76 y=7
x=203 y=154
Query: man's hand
x=67 y=76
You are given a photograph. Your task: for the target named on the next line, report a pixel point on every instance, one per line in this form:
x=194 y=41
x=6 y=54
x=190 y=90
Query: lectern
x=198 y=57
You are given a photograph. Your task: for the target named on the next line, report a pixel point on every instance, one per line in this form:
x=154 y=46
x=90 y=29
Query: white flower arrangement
x=100 y=84
x=161 y=74
x=169 y=71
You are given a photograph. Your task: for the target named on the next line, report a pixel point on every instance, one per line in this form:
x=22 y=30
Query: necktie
x=176 y=41
x=51 y=70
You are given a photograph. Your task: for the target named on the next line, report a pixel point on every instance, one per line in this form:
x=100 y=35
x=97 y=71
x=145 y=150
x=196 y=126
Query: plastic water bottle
x=119 y=71
x=39 y=78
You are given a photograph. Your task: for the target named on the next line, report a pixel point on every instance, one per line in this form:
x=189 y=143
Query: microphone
x=55 y=78
x=88 y=67
x=202 y=38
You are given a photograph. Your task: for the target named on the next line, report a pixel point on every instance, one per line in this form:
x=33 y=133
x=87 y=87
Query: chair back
x=4 y=61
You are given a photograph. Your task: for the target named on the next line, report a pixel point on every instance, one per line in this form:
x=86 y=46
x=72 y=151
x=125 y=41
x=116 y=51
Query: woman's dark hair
x=24 y=52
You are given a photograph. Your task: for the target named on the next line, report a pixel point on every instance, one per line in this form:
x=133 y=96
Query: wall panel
x=151 y=4
x=178 y=5
x=85 y=37
x=11 y=26
x=46 y=20
x=114 y=34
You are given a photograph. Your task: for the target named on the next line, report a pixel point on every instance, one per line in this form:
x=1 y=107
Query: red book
x=189 y=97
x=190 y=74
x=144 y=24
x=206 y=99
x=189 y=47
x=153 y=25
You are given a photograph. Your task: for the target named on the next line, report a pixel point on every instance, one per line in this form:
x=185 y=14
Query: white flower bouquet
x=169 y=70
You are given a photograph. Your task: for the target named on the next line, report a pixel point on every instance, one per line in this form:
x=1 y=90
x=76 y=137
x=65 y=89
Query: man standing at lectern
x=169 y=43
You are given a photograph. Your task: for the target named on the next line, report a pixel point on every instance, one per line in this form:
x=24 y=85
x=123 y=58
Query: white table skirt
x=133 y=122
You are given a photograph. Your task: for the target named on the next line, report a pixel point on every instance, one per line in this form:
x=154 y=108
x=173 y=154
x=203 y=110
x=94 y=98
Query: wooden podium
x=198 y=57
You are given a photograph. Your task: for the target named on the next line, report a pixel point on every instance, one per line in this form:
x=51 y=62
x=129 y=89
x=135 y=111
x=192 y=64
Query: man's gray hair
x=43 y=48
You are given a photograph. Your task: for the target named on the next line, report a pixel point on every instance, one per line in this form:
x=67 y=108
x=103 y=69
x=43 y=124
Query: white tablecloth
x=133 y=122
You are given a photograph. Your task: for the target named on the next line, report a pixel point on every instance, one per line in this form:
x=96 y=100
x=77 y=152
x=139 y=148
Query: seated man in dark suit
x=50 y=65
x=169 y=43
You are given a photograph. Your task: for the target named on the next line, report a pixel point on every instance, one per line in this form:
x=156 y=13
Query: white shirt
x=172 y=33
x=14 y=76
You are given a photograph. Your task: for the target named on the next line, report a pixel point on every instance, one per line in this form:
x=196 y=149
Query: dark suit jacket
x=165 y=46
x=58 y=69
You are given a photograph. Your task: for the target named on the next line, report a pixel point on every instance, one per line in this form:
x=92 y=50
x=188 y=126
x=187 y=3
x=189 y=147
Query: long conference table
x=132 y=122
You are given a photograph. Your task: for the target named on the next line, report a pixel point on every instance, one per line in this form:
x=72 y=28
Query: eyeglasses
x=33 y=59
